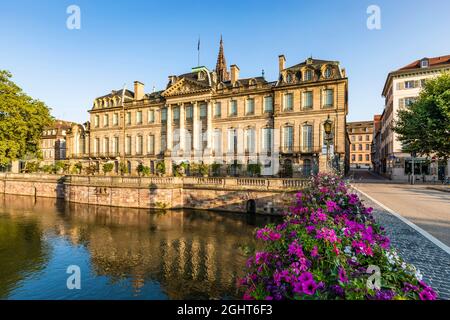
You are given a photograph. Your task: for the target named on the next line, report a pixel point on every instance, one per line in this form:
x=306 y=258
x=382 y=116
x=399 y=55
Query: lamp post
x=327 y=126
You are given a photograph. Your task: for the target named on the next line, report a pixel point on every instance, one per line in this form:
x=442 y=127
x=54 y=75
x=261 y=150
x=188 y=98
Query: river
x=55 y=250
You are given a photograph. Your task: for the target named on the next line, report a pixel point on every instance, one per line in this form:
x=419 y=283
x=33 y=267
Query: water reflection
x=123 y=253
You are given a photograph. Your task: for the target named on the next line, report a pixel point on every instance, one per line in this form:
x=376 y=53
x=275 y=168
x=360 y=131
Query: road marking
x=409 y=223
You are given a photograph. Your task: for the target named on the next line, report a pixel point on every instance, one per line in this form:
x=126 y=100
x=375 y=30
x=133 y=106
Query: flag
x=198 y=44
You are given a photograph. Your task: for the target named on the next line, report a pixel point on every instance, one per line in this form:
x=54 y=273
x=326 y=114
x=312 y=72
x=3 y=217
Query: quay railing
x=168 y=182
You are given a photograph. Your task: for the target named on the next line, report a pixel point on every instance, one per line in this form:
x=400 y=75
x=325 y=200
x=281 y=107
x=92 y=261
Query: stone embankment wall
x=258 y=195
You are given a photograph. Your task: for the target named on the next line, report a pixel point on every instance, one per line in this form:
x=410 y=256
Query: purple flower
x=342 y=275
x=353 y=199
x=306 y=277
x=338 y=290
x=295 y=249
x=332 y=206
x=309 y=287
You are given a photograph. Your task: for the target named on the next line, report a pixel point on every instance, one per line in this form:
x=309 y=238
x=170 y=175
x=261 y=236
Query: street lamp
x=327 y=126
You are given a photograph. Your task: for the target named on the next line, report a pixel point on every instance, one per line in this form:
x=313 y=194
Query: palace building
x=216 y=117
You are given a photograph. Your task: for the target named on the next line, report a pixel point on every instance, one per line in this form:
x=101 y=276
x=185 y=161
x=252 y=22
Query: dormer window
x=201 y=75
x=424 y=63
x=308 y=75
x=328 y=72
x=289 y=78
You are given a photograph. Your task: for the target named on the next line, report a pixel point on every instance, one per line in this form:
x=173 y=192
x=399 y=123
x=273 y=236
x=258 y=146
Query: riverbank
x=244 y=195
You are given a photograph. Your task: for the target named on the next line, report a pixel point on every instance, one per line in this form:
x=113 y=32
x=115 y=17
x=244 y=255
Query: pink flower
x=327 y=235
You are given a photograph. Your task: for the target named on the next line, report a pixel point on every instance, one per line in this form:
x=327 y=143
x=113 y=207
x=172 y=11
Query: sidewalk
x=443 y=188
x=414 y=248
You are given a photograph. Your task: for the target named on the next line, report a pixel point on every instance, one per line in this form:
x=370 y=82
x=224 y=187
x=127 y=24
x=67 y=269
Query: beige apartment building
x=53 y=141
x=217 y=117
x=402 y=88
x=361 y=135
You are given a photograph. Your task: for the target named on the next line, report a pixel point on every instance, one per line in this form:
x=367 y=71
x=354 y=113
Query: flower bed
x=330 y=247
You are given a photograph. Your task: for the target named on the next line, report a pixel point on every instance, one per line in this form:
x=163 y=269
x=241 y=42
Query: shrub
x=32 y=166
x=203 y=169
x=107 y=167
x=179 y=170
x=215 y=169
x=91 y=169
x=323 y=250
x=254 y=169
x=59 y=167
x=123 y=168
x=143 y=170
x=77 y=167
x=160 y=168
x=47 y=168
x=146 y=171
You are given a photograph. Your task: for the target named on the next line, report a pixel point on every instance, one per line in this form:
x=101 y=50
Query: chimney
x=138 y=90
x=234 y=74
x=281 y=62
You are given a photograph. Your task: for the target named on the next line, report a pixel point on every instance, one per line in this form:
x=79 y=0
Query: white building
x=402 y=88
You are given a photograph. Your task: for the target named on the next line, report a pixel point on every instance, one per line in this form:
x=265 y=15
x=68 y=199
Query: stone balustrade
x=156 y=182
x=237 y=194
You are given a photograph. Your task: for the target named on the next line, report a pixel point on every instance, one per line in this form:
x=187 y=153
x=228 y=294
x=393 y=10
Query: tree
x=22 y=120
x=424 y=127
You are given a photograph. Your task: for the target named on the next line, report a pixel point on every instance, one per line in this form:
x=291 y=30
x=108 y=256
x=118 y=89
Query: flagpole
x=198 y=52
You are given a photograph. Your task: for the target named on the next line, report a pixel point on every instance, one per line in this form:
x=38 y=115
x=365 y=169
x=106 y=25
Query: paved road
x=365 y=175
x=428 y=209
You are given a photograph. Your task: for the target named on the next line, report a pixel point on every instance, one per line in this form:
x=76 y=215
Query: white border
x=409 y=223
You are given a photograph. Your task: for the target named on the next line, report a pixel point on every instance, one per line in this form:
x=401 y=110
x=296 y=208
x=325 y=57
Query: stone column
x=169 y=137
x=182 y=128
x=209 y=127
x=195 y=128
x=169 y=126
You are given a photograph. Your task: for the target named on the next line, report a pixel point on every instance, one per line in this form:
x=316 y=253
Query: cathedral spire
x=221 y=66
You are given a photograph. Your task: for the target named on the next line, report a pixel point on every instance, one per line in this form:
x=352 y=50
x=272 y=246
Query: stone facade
x=402 y=88
x=53 y=142
x=216 y=117
x=361 y=135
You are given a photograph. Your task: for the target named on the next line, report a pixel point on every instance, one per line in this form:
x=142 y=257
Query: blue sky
x=122 y=41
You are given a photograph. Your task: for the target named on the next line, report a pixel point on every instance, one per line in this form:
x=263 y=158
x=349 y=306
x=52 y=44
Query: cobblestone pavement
x=414 y=248
x=427 y=209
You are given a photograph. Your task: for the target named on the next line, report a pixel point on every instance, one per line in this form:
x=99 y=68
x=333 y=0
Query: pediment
x=185 y=86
